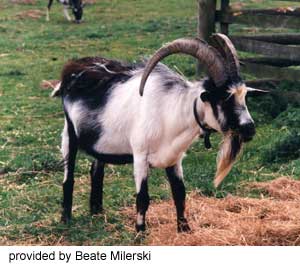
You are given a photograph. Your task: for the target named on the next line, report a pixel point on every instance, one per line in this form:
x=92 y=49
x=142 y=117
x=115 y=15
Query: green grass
x=31 y=123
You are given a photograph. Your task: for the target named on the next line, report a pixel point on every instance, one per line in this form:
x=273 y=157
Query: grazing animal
x=106 y=117
x=75 y=5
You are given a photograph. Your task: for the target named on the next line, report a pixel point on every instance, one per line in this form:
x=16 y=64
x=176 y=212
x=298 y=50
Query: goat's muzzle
x=247 y=131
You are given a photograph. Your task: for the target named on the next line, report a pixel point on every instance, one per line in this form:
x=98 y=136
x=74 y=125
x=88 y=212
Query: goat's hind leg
x=69 y=151
x=96 y=198
x=175 y=177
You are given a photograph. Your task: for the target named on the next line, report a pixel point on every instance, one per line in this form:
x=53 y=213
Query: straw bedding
x=273 y=219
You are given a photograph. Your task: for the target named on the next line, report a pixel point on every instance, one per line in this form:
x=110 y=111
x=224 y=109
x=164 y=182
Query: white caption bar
x=170 y=257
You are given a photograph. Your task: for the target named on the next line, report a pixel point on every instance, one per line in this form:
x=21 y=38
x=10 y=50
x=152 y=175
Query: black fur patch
x=117 y=159
x=68 y=185
x=142 y=204
x=142 y=201
x=92 y=79
x=77 y=9
x=178 y=192
x=96 y=198
x=235 y=146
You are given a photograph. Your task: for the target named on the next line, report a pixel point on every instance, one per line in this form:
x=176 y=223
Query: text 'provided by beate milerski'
x=79 y=255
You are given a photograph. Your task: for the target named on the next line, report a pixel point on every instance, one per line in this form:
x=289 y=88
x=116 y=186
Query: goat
x=75 y=5
x=106 y=117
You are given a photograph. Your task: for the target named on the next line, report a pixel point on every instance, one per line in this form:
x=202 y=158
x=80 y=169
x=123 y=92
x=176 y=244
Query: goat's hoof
x=140 y=227
x=183 y=226
x=96 y=209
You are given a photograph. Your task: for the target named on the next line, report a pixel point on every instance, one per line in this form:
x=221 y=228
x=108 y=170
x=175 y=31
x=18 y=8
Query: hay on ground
x=274 y=220
x=282 y=188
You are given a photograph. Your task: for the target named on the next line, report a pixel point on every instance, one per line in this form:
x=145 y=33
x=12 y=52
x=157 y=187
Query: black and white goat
x=75 y=5
x=106 y=117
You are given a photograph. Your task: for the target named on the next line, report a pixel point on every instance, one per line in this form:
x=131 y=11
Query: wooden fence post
x=206 y=22
x=224 y=8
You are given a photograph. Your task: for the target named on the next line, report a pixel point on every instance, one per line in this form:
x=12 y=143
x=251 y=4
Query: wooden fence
x=277 y=52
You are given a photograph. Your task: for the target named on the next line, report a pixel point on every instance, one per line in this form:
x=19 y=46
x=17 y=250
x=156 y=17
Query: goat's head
x=77 y=9
x=223 y=94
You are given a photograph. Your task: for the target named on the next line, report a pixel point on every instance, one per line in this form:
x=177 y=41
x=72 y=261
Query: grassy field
x=32 y=50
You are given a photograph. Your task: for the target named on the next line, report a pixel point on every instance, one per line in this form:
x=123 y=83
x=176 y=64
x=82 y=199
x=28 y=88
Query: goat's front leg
x=69 y=151
x=48 y=9
x=66 y=13
x=142 y=199
x=175 y=177
x=97 y=175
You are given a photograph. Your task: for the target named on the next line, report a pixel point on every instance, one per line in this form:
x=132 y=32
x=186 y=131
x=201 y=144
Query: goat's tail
x=56 y=91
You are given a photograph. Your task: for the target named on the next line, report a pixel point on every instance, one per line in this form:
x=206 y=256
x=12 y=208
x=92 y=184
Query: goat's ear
x=204 y=96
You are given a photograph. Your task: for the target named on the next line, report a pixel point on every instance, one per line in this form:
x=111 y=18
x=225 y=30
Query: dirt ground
x=273 y=219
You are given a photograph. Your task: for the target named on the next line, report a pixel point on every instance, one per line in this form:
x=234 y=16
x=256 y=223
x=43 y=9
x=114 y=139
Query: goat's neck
x=186 y=105
x=183 y=116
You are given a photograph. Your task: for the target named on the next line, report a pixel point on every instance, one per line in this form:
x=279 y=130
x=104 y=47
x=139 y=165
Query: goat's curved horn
x=224 y=45
x=206 y=54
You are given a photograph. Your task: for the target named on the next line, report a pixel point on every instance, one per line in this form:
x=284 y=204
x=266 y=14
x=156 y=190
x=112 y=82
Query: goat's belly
x=111 y=153
x=164 y=159
x=110 y=143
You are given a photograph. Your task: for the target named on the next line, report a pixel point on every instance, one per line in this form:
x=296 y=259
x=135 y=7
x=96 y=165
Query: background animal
x=106 y=117
x=75 y=5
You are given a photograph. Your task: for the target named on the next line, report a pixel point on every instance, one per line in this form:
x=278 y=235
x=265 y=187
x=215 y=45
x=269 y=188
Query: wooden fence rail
x=277 y=53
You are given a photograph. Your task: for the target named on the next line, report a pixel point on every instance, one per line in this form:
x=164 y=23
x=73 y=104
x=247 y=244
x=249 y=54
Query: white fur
x=140 y=219
x=158 y=125
x=55 y=90
x=240 y=91
x=65 y=149
x=47 y=15
x=245 y=117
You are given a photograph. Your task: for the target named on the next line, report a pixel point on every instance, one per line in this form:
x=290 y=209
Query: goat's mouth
x=247 y=131
x=230 y=148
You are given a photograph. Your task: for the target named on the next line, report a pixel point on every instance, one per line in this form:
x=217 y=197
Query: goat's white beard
x=230 y=148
